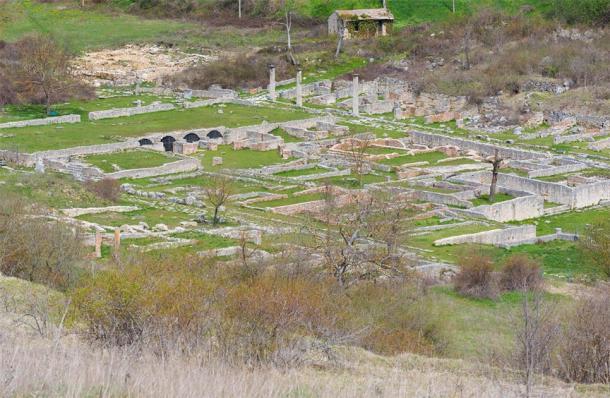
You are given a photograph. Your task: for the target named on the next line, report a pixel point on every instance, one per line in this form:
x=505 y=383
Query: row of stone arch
x=168 y=140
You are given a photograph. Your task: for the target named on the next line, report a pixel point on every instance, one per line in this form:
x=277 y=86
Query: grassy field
x=290 y=200
x=239 y=159
x=302 y=172
x=82 y=108
x=83 y=29
x=150 y=215
x=129 y=160
x=50 y=189
x=572 y=222
x=431 y=157
x=39 y=138
x=484 y=199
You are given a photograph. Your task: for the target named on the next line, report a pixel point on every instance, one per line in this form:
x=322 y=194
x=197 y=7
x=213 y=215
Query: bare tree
x=217 y=194
x=359 y=237
x=287 y=7
x=358 y=157
x=42 y=67
x=496 y=162
x=595 y=242
x=537 y=331
x=467 y=35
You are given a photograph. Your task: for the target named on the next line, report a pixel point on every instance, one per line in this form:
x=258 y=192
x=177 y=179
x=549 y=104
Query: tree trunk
x=339 y=44
x=47 y=102
x=239 y=8
x=492 y=187
x=215 y=220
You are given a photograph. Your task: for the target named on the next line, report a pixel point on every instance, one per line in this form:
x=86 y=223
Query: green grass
x=149 y=215
x=291 y=200
x=83 y=29
x=352 y=182
x=476 y=328
x=431 y=157
x=484 y=199
x=239 y=159
x=302 y=172
x=39 y=138
x=287 y=137
x=129 y=160
x=456 y=162
x=50 y=190
x=572 y=222
x=24 y=112
x=377 y=150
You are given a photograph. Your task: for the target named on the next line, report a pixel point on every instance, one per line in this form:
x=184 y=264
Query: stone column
x=299 y=88
x=355 y=100
x=272 y=93
x=98 y=244
x=398 y=115
x=117 y=241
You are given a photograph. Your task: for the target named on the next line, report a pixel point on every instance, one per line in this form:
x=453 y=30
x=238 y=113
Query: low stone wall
x=22 y=159
x=599 y=145
x=551 y=171
x=496 y=237
x=440 y=198
x=434 y=140
x=552 y=192
x=513 y=210
x=137 y=110
x=42 y=122
x=168 y=168
x=581 y=196
x=319 y=176
x=208 y=102
x=75 y=212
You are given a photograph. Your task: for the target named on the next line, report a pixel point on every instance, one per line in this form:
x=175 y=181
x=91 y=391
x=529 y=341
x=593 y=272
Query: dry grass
x=32 y=366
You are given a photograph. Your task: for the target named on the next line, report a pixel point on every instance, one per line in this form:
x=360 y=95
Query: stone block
x=216 y=161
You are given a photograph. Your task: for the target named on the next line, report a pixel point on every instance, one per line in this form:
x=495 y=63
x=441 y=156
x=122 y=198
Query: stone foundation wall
x=434 y=140
x=513 y=210
x=42 y=122
x=496 y=237
x=581 y=196
x=551 y=171
x=137 y=110
x=168 y=168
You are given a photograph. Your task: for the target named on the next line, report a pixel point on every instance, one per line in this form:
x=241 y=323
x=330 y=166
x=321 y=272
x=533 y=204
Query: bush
x=595 y=243
x=476 y=277
x=236 y=72
x=593 y=12
x=521 y=273
x=106 y=188
x=585 y=354
x=36 y=249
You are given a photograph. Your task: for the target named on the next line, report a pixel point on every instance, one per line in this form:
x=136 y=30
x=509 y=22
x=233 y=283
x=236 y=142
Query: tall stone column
x=299 y=88
x=272 y=93
x=355 y=101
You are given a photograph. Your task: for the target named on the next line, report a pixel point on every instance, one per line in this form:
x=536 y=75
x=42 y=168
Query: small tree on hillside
x=42 y=68
x=218 y=193
x=595 y=243
x=496 y=162
x=287 y=9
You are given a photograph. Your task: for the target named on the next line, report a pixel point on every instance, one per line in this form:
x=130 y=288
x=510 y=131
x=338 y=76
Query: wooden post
x=98 y=244
x=117 y=243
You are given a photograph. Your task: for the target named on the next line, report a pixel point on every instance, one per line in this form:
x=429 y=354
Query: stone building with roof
x=363 y=23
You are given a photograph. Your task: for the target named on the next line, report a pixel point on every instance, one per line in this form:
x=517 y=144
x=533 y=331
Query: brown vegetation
x=521 y=273
x=36 y=70
x=35 y=248
x=106 y=188
x=476 y=276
